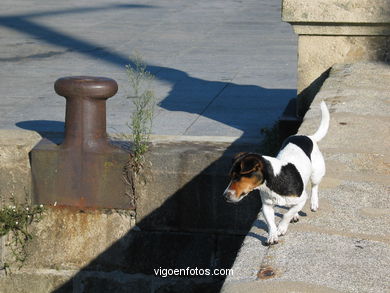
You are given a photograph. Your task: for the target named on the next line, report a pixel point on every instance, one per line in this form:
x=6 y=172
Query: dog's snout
x=229 y=195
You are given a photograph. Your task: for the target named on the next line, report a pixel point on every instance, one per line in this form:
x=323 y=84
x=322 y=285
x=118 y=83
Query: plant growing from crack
x=14 y=223
x=144 y=101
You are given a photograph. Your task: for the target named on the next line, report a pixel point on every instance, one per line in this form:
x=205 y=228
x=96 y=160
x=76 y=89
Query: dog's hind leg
x=316 y=177
x=289 y=215
x=314 y=203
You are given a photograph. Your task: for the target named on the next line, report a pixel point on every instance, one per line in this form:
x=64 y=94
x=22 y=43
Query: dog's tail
x=323 y=129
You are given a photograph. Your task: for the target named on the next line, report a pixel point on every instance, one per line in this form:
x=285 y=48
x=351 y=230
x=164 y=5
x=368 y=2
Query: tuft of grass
x=15 y=221
x=141 y=122
x=144 y=101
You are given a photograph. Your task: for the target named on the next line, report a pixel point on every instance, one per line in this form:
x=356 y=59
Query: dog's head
x=246 y=174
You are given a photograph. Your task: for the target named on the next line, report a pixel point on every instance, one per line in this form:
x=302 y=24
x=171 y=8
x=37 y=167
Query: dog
x=282 y=180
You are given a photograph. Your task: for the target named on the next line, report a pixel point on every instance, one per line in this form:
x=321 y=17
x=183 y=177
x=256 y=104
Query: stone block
x=189 y=286
x=15 y=171
x=197 y=206
x=336 y=11
x=183 y=190
x=35 y=282
x=115 y=282
x=140 y=252
x=70 y=239
x=147 y=251
x=317 y=53
x=331 y=32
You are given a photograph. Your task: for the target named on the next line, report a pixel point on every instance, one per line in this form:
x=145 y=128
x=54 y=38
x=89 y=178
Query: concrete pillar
x=335 y=31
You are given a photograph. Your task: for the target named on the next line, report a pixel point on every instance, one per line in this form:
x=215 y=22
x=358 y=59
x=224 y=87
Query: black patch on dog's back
x=287 y=183
x=302 y=141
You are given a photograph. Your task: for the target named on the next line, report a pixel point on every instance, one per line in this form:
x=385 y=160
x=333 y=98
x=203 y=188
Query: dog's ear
x=250 y=164
x=236 y=167
x=239 y=155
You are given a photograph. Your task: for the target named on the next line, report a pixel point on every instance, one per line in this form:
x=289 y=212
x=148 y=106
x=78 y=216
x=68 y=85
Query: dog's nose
x=229 y=194
x=226 y=195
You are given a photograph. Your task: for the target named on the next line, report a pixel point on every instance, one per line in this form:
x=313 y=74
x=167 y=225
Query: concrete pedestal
x=334 y=31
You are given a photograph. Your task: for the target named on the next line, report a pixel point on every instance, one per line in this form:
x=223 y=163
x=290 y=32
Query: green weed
x=14 y=222
x=144 y=101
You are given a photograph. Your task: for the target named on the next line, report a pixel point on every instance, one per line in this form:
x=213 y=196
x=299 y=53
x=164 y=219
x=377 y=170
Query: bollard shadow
x=161 y=239
x=242 y=107
x=51 y=130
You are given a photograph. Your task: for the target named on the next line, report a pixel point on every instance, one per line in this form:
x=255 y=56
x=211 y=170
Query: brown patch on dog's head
x=236 y=156
x=245 y=164
x=246 y=174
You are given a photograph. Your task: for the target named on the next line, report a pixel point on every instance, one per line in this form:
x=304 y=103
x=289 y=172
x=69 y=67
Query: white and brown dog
x=282 y=180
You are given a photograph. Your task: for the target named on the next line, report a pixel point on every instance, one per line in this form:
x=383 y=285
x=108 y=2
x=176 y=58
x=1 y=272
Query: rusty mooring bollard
x=85 y=119
x=85 y=170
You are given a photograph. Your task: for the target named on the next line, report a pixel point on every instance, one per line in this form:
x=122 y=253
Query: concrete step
x=345 y=245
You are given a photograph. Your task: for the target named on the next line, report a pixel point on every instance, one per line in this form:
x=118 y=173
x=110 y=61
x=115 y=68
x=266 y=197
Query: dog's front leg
x=269 y=215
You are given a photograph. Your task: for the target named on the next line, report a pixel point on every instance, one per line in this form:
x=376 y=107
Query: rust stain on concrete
x=266 y=273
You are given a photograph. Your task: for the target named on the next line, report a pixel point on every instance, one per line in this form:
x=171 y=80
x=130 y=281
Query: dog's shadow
x=280 y=215
x=260 y=224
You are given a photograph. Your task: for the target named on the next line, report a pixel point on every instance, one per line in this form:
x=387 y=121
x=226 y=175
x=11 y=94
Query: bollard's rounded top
x=86 y=87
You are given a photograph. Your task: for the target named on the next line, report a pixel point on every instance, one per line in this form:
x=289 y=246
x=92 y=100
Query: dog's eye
x=234 y=175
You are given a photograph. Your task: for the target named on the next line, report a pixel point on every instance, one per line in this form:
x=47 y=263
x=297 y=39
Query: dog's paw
x=314 y=206
x=271 y=240
x=295 y=219
x=282 y=229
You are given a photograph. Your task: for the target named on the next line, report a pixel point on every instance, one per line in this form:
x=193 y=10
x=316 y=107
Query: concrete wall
x=332 y=31
x=180 y=221
x=15 y=173
x=184 y=189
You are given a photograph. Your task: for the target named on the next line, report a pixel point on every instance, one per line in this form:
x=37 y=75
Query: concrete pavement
x=223 y=68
